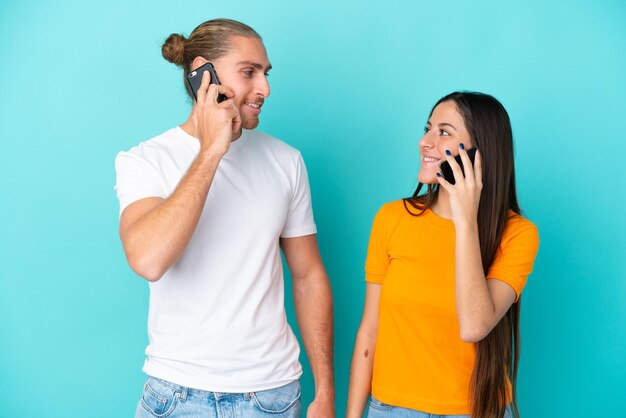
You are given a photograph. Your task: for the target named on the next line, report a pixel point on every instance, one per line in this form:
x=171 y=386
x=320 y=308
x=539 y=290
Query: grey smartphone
x=194 y=79
x=446 y=170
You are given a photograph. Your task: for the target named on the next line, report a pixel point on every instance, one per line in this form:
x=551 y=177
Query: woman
x=444 y=272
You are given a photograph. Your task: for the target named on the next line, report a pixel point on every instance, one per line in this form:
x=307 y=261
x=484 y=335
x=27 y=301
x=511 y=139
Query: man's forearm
x=314 y=311
x=155 y=240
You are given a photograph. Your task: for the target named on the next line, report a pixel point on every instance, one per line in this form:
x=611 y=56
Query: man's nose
x=263 y=87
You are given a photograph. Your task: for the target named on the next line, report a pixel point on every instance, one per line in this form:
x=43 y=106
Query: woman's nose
x=427 y=141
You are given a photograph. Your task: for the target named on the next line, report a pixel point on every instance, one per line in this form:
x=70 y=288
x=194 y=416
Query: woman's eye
x=443 y=133
x=426 y=129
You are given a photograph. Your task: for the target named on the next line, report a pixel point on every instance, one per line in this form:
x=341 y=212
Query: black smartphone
x=446 y=170
x=194 y=79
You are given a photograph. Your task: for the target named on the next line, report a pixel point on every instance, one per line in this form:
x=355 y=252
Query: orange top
x=420 y=361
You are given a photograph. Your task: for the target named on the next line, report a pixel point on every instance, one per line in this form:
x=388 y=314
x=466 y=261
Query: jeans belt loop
x=183 y=393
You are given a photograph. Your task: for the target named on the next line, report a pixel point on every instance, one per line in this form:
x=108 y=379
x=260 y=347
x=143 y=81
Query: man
x=205 y=209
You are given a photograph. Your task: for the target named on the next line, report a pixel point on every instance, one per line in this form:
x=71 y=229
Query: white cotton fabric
x=217 y=318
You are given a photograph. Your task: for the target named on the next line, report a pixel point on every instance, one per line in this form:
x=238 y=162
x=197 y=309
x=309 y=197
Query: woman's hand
x=215 y=123
x=465 y=193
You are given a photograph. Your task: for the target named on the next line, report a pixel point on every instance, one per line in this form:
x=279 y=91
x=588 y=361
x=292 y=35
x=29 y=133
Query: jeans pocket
x=159 y=398
x=279 y=400
x=376 y=404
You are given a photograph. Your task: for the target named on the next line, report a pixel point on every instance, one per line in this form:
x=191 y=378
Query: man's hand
x=323 y=406
x=215 y=123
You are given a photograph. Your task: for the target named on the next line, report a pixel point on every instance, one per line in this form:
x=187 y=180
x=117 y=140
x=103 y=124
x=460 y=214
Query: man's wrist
x=209 y=156
x=325 y=391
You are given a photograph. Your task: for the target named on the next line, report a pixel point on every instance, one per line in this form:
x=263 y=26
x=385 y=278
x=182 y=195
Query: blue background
x=352 y=86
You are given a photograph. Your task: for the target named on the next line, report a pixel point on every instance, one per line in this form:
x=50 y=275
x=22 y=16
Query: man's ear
x=198 y=62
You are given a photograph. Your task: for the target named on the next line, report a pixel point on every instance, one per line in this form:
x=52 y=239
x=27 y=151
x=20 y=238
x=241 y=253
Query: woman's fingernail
x=438 y=174
x=461 y=146
x=448 y=152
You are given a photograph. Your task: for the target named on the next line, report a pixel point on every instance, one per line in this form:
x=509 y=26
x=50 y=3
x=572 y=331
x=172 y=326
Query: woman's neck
x=441 y=207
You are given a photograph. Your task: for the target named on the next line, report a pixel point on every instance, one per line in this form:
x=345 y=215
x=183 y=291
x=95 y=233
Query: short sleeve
x=377 y=262
x=300 y=221
x=515 y=257
x=136 y=179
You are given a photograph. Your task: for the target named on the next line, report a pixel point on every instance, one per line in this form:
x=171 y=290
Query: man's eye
x=267 y=75
x=248 y=73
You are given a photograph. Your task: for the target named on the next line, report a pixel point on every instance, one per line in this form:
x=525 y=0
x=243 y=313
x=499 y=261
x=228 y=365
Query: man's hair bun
x=173 y=49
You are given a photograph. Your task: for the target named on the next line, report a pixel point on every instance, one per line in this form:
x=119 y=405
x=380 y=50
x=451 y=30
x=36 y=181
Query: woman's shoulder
x=394 y=208
x=391 y=213
x=518 y=227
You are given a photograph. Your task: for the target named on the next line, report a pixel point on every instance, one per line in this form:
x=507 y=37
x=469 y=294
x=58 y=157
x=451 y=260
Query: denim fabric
x=164 y=399
x=378 y=409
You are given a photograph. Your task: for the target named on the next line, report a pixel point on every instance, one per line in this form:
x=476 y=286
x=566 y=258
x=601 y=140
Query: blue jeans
x=379 y=409
x=164 y=399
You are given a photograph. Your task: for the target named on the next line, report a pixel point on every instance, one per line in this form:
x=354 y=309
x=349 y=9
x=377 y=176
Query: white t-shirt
x=217 y=318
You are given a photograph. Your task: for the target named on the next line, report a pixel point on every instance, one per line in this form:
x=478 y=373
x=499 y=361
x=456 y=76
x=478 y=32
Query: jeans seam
x=149 y=389
x=380 y=406
x=165 y=414
x=282 y=411
x=170 y=385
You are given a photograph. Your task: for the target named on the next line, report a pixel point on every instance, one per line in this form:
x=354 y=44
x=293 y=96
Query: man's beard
x=249 y=122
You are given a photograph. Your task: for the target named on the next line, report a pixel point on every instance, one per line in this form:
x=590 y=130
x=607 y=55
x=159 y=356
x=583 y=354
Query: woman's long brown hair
x=497 y=355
